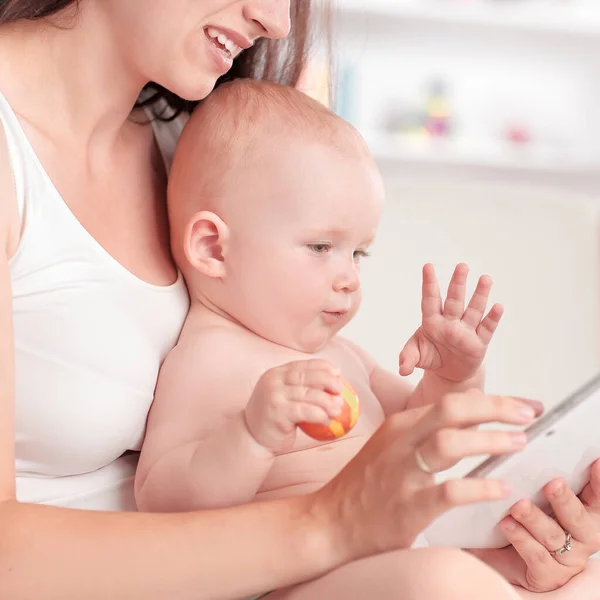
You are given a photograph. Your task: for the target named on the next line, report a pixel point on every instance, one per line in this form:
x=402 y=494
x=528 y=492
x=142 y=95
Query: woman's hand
x=452 y=341
x=386 y=496
x=531 y=561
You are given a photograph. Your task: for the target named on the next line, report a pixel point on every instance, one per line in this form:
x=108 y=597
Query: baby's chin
x=305 y=344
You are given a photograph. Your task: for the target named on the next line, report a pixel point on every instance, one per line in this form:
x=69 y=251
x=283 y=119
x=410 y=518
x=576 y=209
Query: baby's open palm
x=451 y=341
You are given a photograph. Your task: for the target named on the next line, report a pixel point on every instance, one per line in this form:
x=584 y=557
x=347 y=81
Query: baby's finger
x=328 y=403
x=318 y=375
x=303 y=412
x=446 y=447
x=431 y=302
x=457 y=289
x=474 y=312
x=488 y=326
x=466 y=409
x=409 y=357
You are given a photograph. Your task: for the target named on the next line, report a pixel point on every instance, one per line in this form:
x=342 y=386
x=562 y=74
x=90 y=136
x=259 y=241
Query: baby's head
x=273 y=203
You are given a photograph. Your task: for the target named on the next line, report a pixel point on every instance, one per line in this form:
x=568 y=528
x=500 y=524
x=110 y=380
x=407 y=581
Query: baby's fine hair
x=236 y=122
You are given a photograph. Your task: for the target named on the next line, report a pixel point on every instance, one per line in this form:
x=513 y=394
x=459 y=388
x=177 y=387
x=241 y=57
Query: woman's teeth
x=223 y=40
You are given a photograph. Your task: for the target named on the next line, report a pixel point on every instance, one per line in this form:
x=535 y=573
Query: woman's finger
x=543 y=571
x=474 y=311
x=437 y=499
x=454 y=305
x=431 y=302
x=444 y=448
x=470 y=408
x=572 y=514
x=537 y=406
x=544 y=529
x=591 y=492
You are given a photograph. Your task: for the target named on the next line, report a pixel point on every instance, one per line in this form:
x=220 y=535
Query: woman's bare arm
x=64 y=554
x=380 y=501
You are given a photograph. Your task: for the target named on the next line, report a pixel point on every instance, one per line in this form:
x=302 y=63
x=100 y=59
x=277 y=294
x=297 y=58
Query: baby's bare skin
x=186 y=410
x=310 y=464
x=271 y=250
x=273 y=264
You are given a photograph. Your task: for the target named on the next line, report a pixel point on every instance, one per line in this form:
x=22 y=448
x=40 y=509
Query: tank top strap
x=16 y=144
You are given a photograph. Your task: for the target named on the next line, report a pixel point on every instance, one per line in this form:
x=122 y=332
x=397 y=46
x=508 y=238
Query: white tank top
x=89 y=340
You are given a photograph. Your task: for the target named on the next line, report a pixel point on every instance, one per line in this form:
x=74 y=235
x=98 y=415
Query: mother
x=89 y=288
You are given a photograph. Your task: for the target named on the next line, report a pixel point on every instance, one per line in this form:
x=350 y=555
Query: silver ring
x=422 y=464
x=566 y=547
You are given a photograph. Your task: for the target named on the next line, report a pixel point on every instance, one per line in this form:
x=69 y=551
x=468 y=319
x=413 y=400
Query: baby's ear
x=205 y=243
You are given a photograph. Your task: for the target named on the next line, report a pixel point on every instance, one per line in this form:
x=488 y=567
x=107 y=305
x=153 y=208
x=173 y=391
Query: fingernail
x=509 y=524
x=558 y=490
x=538 y=406
x=518 y=439
x=522 y=509
x=527 y=412
x=337 y=387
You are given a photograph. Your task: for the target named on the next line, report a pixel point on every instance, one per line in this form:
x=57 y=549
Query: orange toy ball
x=339 y=426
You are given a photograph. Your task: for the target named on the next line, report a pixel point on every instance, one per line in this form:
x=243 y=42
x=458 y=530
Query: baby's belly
x=306 y=470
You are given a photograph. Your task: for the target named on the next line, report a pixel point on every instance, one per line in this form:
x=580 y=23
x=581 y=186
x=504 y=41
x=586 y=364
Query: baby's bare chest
x=310 y=464
x=353 y=371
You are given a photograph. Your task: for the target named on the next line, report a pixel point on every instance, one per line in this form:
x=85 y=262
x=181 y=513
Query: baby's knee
x=450 y=574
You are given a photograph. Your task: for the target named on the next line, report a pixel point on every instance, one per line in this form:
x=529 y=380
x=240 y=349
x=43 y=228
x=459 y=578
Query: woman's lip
x=237 y=38
x=222 y=61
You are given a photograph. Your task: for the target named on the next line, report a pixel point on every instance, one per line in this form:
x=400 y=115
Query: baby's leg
x=424 y=574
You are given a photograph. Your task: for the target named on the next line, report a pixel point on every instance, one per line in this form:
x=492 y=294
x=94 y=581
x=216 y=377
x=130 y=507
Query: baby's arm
x=198 y=452
x=449 y=346
x=218 y=421
x=396 y=394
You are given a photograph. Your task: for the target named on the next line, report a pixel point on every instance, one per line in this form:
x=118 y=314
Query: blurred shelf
x=528 y=16
x=405 y=155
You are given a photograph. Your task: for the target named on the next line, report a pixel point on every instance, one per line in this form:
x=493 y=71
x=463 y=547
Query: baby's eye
x=320 y=248
x=358 y=254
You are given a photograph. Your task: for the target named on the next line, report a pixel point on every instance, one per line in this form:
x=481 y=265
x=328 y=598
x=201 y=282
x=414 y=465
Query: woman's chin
x=193 y=92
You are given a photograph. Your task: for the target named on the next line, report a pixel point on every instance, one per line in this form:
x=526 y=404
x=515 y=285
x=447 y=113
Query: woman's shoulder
x=9 y=213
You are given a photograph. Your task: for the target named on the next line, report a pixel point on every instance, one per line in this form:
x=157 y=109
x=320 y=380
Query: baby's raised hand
x=302 y=391
x=451 y=341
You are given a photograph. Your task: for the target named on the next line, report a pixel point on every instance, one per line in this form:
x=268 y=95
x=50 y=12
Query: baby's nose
x=349 y=281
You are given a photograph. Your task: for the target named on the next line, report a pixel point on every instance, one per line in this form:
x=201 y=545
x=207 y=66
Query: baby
x=274 y=202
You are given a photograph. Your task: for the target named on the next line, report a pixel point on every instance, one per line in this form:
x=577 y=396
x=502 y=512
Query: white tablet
x=562 y=443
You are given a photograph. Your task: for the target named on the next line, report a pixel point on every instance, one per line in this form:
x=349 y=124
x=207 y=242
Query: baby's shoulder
x=215 y=350
x=346 y=350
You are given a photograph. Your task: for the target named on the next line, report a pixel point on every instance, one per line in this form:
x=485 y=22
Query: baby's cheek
x=356 y=302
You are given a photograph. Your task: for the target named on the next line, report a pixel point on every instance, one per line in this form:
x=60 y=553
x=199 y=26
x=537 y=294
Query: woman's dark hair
x=281 y=61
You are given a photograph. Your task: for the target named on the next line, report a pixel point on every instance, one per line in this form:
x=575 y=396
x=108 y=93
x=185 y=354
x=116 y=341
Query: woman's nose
x=272 y=16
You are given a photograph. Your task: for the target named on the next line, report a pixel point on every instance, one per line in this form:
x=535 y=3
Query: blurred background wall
x=484 y=116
